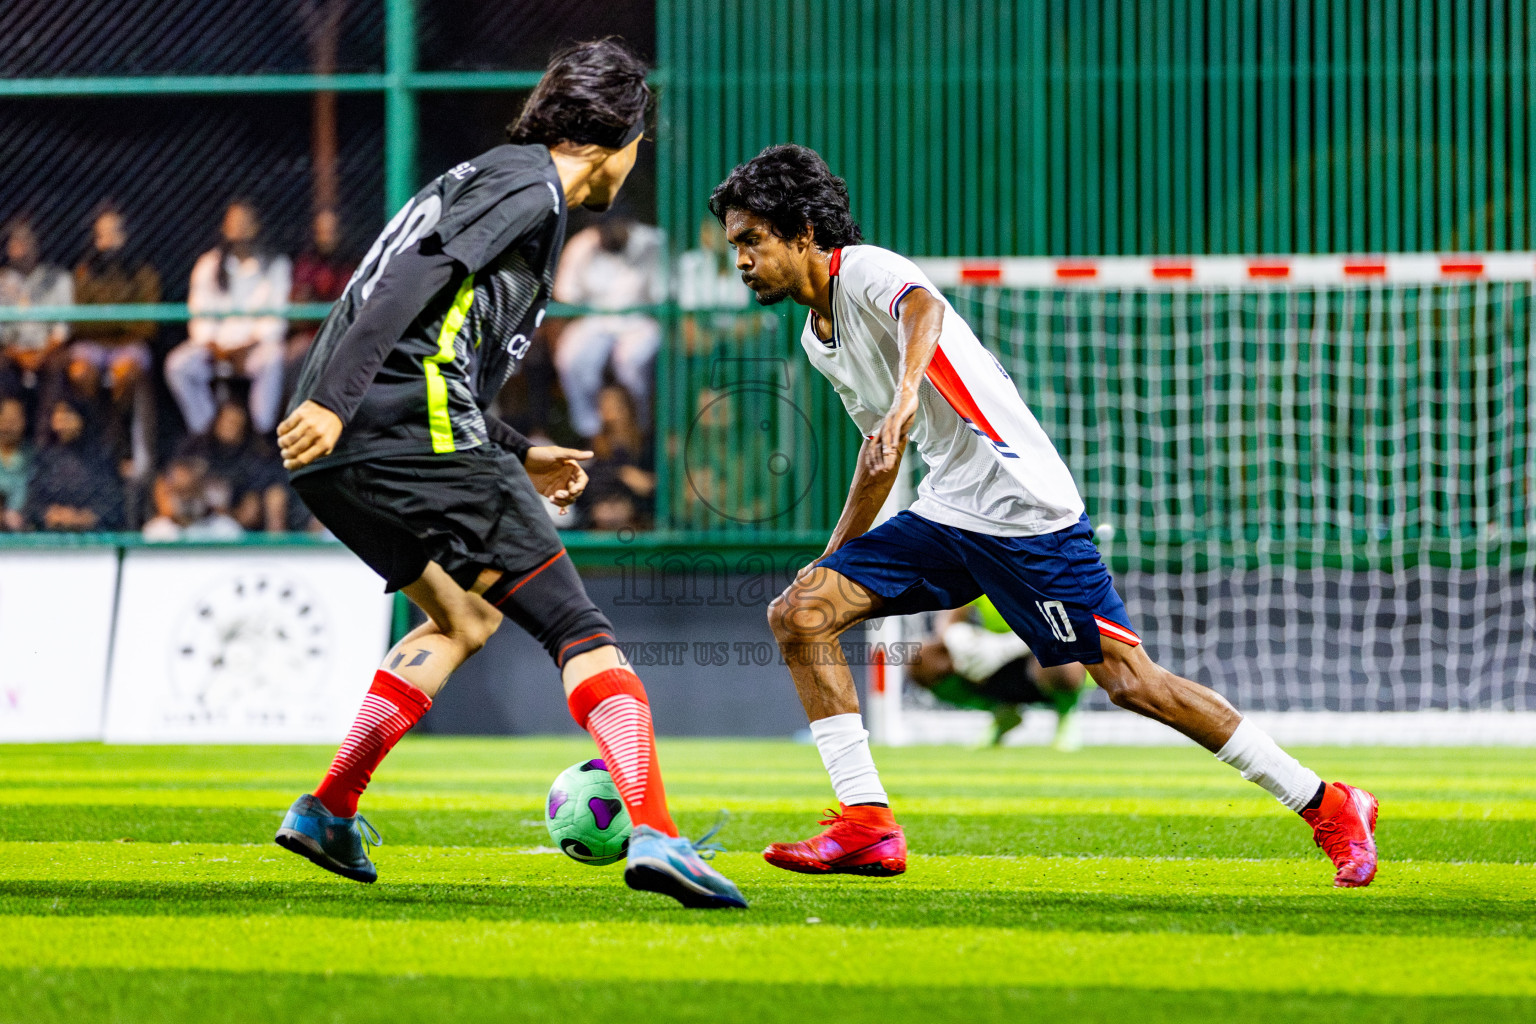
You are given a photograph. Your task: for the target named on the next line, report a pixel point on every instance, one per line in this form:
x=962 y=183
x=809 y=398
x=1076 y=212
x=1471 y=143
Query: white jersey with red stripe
x=991 y=468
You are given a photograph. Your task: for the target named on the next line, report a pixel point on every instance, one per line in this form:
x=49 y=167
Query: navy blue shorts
x=1054 y=590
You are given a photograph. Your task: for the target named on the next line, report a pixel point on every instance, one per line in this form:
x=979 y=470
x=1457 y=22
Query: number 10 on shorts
x=1055 y=615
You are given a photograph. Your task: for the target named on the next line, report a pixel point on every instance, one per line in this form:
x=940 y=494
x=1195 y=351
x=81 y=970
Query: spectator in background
x=320 y=275
x=15 y=462
x=710 y=293
x=707 y=277
x=622 y=486
x=190 y=505
x=247 y=465
x=74 y=485
x=611 y=266
x=237 y=276
x=28 y=347
x=115 y=353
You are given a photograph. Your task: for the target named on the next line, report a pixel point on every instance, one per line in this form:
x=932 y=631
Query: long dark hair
x=792 y=188
x=592 y=92
x=263 y=257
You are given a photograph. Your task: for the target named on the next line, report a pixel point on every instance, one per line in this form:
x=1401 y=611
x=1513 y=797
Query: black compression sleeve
x=506 y=437
x=409 y=284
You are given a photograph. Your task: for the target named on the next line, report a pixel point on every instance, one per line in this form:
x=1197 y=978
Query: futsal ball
x=585 y=816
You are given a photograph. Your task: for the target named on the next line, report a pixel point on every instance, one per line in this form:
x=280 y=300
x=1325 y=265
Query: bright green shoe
x=1005 y=719
x=1069 y=729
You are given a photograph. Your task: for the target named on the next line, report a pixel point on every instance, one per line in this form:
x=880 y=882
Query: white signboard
x=55 y=622
x=243 y=646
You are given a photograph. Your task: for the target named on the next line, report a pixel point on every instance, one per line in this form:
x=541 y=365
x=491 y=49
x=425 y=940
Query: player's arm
x=495 y=210
x=866 y=494
x=555 y=471
x=410 y=282
x=921 y=321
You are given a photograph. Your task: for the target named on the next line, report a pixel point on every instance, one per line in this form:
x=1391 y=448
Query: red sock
x=390 y=709
x=612 y=707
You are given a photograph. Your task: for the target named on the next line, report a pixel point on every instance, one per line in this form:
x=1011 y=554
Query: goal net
x=1319 y=473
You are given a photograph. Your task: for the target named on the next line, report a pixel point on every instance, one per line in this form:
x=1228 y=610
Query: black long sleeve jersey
x=439 y=313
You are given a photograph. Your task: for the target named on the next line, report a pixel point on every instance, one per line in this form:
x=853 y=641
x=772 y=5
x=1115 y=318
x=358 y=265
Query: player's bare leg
x=459 y=623
x=325 y=826
x=1343 y=818
x=863 y=837
x=1134 y=682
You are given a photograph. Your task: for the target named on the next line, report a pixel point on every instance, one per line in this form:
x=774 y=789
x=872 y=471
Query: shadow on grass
x=856 y=903
x=40 y=997
x=1279 y=835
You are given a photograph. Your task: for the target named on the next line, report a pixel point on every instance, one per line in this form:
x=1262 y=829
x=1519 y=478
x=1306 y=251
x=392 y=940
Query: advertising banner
x=55 y=624
x=244 y=646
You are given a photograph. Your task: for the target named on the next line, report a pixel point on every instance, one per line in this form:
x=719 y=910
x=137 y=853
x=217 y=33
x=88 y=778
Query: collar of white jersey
x=834 y=265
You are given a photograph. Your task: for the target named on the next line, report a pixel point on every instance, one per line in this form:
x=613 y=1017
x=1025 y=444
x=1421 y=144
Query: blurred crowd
x=167 y=428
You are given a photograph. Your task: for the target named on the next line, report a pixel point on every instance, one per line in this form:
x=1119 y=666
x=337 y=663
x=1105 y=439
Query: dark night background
x=172 y=162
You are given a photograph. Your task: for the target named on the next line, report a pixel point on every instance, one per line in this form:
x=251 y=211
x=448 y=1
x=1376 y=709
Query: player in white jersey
x=997 y=513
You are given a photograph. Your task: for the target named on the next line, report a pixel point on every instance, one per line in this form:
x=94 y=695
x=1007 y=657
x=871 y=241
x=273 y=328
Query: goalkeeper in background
x=975 y=661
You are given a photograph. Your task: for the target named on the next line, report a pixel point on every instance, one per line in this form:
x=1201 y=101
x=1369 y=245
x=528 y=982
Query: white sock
x=844 y=745
x=1260 y=759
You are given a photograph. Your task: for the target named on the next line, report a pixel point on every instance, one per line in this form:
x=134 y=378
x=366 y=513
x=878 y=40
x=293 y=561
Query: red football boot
x=862 y=840
x=1344 y=825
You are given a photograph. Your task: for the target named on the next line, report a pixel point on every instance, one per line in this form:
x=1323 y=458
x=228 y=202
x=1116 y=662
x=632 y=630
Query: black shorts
x=467 y=511
x=1014 y=683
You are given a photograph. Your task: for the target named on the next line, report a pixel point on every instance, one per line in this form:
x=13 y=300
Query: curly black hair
x=792 y=188
x=592 y=92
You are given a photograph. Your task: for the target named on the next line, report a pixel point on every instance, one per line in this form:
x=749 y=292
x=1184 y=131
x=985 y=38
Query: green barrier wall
x=1033 y=127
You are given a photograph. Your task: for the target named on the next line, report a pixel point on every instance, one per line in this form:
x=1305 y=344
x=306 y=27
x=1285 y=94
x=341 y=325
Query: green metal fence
x=1042 y=127
x=400 y=83
x=1006 y=126
x=1101 y=127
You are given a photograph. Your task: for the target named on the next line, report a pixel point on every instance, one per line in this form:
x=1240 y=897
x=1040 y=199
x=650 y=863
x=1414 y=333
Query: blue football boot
x=336 y=844
x=675 y=867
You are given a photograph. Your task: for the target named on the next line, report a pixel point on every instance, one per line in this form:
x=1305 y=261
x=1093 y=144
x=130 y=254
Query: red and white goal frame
x=891 y=722
x=1228 y=271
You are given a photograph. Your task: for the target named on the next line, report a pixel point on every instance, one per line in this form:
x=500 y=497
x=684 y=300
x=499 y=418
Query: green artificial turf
x=140 y=884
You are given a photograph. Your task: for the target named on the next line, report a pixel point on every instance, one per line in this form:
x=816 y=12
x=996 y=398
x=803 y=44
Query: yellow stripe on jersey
x=438 y=420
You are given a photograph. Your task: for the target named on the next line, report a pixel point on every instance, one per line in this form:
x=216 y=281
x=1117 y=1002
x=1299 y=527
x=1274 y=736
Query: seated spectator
x=320 y=274
x=115 y=353
x=622 y=486
x=614 y=265
x=74 y=485
x=237 y=276
x=247 y=464
x=709 y=289
x=26 y=346
x=190 y=505
x=707 y=277
x=15 y=462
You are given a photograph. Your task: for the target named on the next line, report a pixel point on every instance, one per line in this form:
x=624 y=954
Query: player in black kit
x=391 y=443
